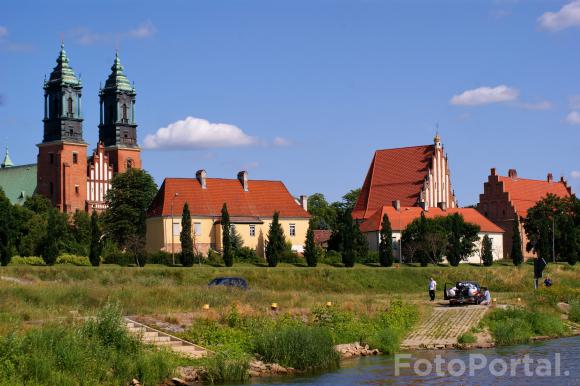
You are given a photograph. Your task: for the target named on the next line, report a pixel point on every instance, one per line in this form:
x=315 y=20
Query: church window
x=124 y=113
x=75 y=158
x=51 y=156
x=129 y=163
x=76 y=189
x=70 y=107
x=51 y=188
x=71 y=132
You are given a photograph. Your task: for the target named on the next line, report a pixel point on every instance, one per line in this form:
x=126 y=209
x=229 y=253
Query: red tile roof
x=321 y=236
x=400 y=220
x=524 y=193
x=394 y=174
x=262 y=199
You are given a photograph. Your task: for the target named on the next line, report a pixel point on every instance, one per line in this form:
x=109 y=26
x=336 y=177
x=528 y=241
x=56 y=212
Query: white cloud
x=567 y=16
x=485 y=95
x=197 y=133
x=573 y=118
x=86 y=36
x=144 y=30
x=3 y=31
x=543 y=105
x=279 y=141
x=575 y=174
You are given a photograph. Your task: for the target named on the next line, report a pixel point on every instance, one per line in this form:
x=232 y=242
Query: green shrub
x=300 y=347
x=575 y=312
x=386 y=340
x=246 y=255
x=333 y=258
x=214 y=258
x=73 y=259
x=27 y=260
x=291 y=257
x=466 y=338
x=370 y=258
x=119 y=258
x=226 y=367
x=511 y=331
x=515 y=326
x=161 y=257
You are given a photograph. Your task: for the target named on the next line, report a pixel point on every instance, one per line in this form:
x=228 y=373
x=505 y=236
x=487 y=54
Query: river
x=498 y=366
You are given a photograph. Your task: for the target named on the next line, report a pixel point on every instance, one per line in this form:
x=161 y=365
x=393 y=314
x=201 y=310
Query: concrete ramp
x=443 y=327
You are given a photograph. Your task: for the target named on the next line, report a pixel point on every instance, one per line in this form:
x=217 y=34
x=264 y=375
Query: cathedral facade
x=66 y=175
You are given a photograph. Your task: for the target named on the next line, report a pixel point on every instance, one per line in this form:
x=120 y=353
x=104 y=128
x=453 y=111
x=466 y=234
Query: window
x=51 y=158
x=252 y=230
x=176 y=228
x=197 y=229
x=71 y=132
x=292 y=230
x=124 y=112
x=129 y=163
x=76 y=189
x=75 y=158
x=70 y=107
x=51 y=187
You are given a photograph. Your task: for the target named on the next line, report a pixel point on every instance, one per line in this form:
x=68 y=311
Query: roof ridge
x=403 y=147
x=530 y=179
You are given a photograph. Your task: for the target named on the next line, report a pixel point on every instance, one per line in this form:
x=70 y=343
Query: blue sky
x=306 y=91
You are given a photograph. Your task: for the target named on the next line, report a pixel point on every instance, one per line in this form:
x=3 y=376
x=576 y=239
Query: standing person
x=432 y=288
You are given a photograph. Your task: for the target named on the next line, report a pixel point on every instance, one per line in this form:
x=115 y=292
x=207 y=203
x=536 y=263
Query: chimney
x=512 y=173
x=562 y=179
x=304 y=202
x=201 y=176
x=442 y=205
x=493 y=171
x=550 y=177
x=397 y=205
x=243 y=177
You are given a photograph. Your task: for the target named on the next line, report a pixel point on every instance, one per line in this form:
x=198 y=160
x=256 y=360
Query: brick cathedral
x=66 y=175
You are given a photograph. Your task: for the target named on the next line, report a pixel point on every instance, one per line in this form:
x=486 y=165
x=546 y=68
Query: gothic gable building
x=414 y=176
x=65 y=175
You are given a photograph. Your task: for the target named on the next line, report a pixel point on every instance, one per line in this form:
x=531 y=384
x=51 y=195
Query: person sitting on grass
x=548 y=282
x=487 y=295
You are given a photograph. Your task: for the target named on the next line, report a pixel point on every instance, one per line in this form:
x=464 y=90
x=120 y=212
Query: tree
x=310 y=253
x=349 y=253
x=228 y=255
x=349 y=200
x=236 y=238
x=56 y=233
x=434 y=239
x=386 y=243
x=187 y=256
x=486 y=251
x=517 y=255
x=276 y=243
x=38 y=204
x=461 y=238
x=5 y=229
x=323 y=214
x=95 y=242
x=130 y=195
x=81 y=233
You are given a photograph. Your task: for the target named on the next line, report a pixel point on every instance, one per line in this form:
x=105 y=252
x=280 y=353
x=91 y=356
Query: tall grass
x=226 y=367
x=300 y=347
x=575 y=312
x=517 y=326
x=99 y=352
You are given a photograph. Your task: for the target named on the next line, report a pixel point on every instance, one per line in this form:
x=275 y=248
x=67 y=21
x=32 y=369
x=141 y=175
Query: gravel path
x=444 y=326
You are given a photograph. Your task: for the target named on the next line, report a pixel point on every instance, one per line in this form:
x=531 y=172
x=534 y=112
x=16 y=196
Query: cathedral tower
x=62 y=155
x=117 y=128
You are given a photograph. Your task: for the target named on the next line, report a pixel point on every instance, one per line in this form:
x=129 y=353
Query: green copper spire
x=117 y=79
x=63 y=73
x=7 y=163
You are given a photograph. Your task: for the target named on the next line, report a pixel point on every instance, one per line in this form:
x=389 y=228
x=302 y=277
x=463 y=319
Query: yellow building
x=251 y=205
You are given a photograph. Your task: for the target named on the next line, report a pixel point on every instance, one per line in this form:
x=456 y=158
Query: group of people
x=433 y=288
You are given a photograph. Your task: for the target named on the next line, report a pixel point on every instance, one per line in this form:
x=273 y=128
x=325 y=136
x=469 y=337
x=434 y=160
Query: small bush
x=575 y=312
x=291 y=257
x=332 y=258
x=73 y=259
x=246 y=255
x=466 y=338
x=511 y=331
x=300 y=347
x=226 y=367
x=386 y=340
x=161 y=257
x=370 y=258
x=515 y=326
x=214 y=258
x=27 y=260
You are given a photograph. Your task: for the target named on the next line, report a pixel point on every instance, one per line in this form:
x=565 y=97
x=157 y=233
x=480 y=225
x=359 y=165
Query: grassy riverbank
x=365 y=304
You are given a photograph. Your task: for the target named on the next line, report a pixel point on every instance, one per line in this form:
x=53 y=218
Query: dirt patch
x=16 y=280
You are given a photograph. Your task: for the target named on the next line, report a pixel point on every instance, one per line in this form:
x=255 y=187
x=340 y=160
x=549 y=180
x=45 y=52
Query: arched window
x=124 y=107
x=129 y=163
x=70 y=107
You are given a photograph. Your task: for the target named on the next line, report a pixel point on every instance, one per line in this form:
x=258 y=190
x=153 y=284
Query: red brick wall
x=68 y=179
x=494 y=204
x=118 y=158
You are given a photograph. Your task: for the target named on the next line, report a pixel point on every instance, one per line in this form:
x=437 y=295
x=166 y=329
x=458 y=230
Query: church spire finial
x=7 y=163
x=437 y=138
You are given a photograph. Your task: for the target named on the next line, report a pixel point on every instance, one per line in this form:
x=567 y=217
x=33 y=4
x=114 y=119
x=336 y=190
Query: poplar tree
x=56 y=232
x=310 y=247
x=226 y=237
x=276 y=242
x=95 y=241
x=186 y=257
x=517 y=255
x=486 y=251
x=386 y=243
